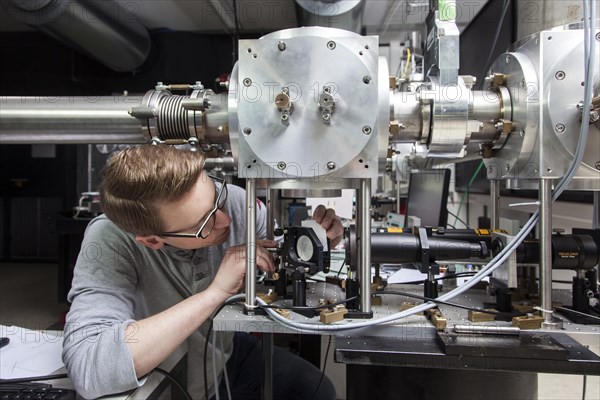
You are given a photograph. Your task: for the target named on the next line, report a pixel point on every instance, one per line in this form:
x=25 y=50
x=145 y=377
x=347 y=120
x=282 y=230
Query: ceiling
x=390 y=19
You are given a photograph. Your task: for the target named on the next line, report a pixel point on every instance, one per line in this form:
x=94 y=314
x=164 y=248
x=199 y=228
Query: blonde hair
x=136 y=180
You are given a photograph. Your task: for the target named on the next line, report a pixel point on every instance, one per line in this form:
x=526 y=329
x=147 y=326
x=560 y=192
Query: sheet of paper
x=407 y=275
x=29 y=353
x=341 y=205
x=319 y=231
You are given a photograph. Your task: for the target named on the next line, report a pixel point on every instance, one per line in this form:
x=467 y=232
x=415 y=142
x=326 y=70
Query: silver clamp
x=326 y=104
x=284 y=104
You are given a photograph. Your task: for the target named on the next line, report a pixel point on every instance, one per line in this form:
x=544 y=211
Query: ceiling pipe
x=101 y=29
x=346 y=14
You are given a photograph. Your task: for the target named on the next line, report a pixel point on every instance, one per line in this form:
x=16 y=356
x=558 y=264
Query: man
x=168 y=251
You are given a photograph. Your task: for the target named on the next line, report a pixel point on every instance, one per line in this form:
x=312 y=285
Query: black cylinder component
x=568 y=252
x=281 y=283
x=352 y=290
x=592 y=277
x=581 y=302
x=467 y=235
x=299 y=288
x=430 y=289
x=503 y=300
x=574 y=252
x=395 y=248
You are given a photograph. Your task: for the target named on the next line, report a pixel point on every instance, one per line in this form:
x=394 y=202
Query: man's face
x=188 y=214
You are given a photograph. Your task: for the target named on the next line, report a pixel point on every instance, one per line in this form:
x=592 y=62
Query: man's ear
x=151 y=241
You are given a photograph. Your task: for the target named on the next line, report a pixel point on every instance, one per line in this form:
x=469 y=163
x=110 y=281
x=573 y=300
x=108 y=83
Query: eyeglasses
x=209 y=222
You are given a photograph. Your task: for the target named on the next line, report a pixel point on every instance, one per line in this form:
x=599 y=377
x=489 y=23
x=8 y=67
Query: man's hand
x=230 y=277
x=330 y=222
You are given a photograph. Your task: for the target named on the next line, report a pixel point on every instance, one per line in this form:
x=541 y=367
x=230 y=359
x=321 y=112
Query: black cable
x=459 y=219
x=341 y=266
x=300 y=308
x=577 y=312
x=236 y=36
x=416 y=296
x=584 y=387
x=441 y=278
x=34 y=378
x=174 y=382
x=494 y=43
x=210 y=328
x=557 y=281
x=324 y=366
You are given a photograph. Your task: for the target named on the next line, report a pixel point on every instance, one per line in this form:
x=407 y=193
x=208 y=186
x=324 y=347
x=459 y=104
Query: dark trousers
x=293 y=377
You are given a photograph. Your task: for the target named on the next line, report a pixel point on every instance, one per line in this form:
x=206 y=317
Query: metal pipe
x=250 y=246
x=272 y=211
x=397 y=196
x=223 y=163
x=107 y=119
x=495 y=200
x=596 y=211
x=546 y=251
x=70 y=120
x=345 y=14
x=486 y=105
x=492 y=330
x=406 y=111
x=364 y=245
x=104 y=30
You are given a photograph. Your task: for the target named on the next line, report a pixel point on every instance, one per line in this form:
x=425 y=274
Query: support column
x=495 y=203
x=272 y=212
x=267 y=338
x=545 y=197
x=596 y=211
x=364 y=245
x=250 y=246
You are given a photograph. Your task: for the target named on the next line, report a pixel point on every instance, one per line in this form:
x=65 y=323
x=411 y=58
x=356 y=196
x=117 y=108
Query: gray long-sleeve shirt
x=118 y=280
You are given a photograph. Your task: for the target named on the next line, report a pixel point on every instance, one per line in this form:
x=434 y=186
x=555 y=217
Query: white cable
x=544 y=311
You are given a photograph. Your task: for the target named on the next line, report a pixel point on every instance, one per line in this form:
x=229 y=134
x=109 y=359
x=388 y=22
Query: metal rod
x=267 y=338
x=596 y=211
x=397 y=196
x=495 y=197
x=492 y=330
x=70 y=120
x=272 y=211
x=90 y=167
x=250 y=246
x=364 y=245
x=545 y=196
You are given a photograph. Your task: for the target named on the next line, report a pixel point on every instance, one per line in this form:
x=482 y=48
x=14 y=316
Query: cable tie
x=542 y=310
x=529 y=203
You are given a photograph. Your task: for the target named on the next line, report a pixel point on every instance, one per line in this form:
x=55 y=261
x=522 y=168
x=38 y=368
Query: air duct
x=101 y=29
x=345 y=14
